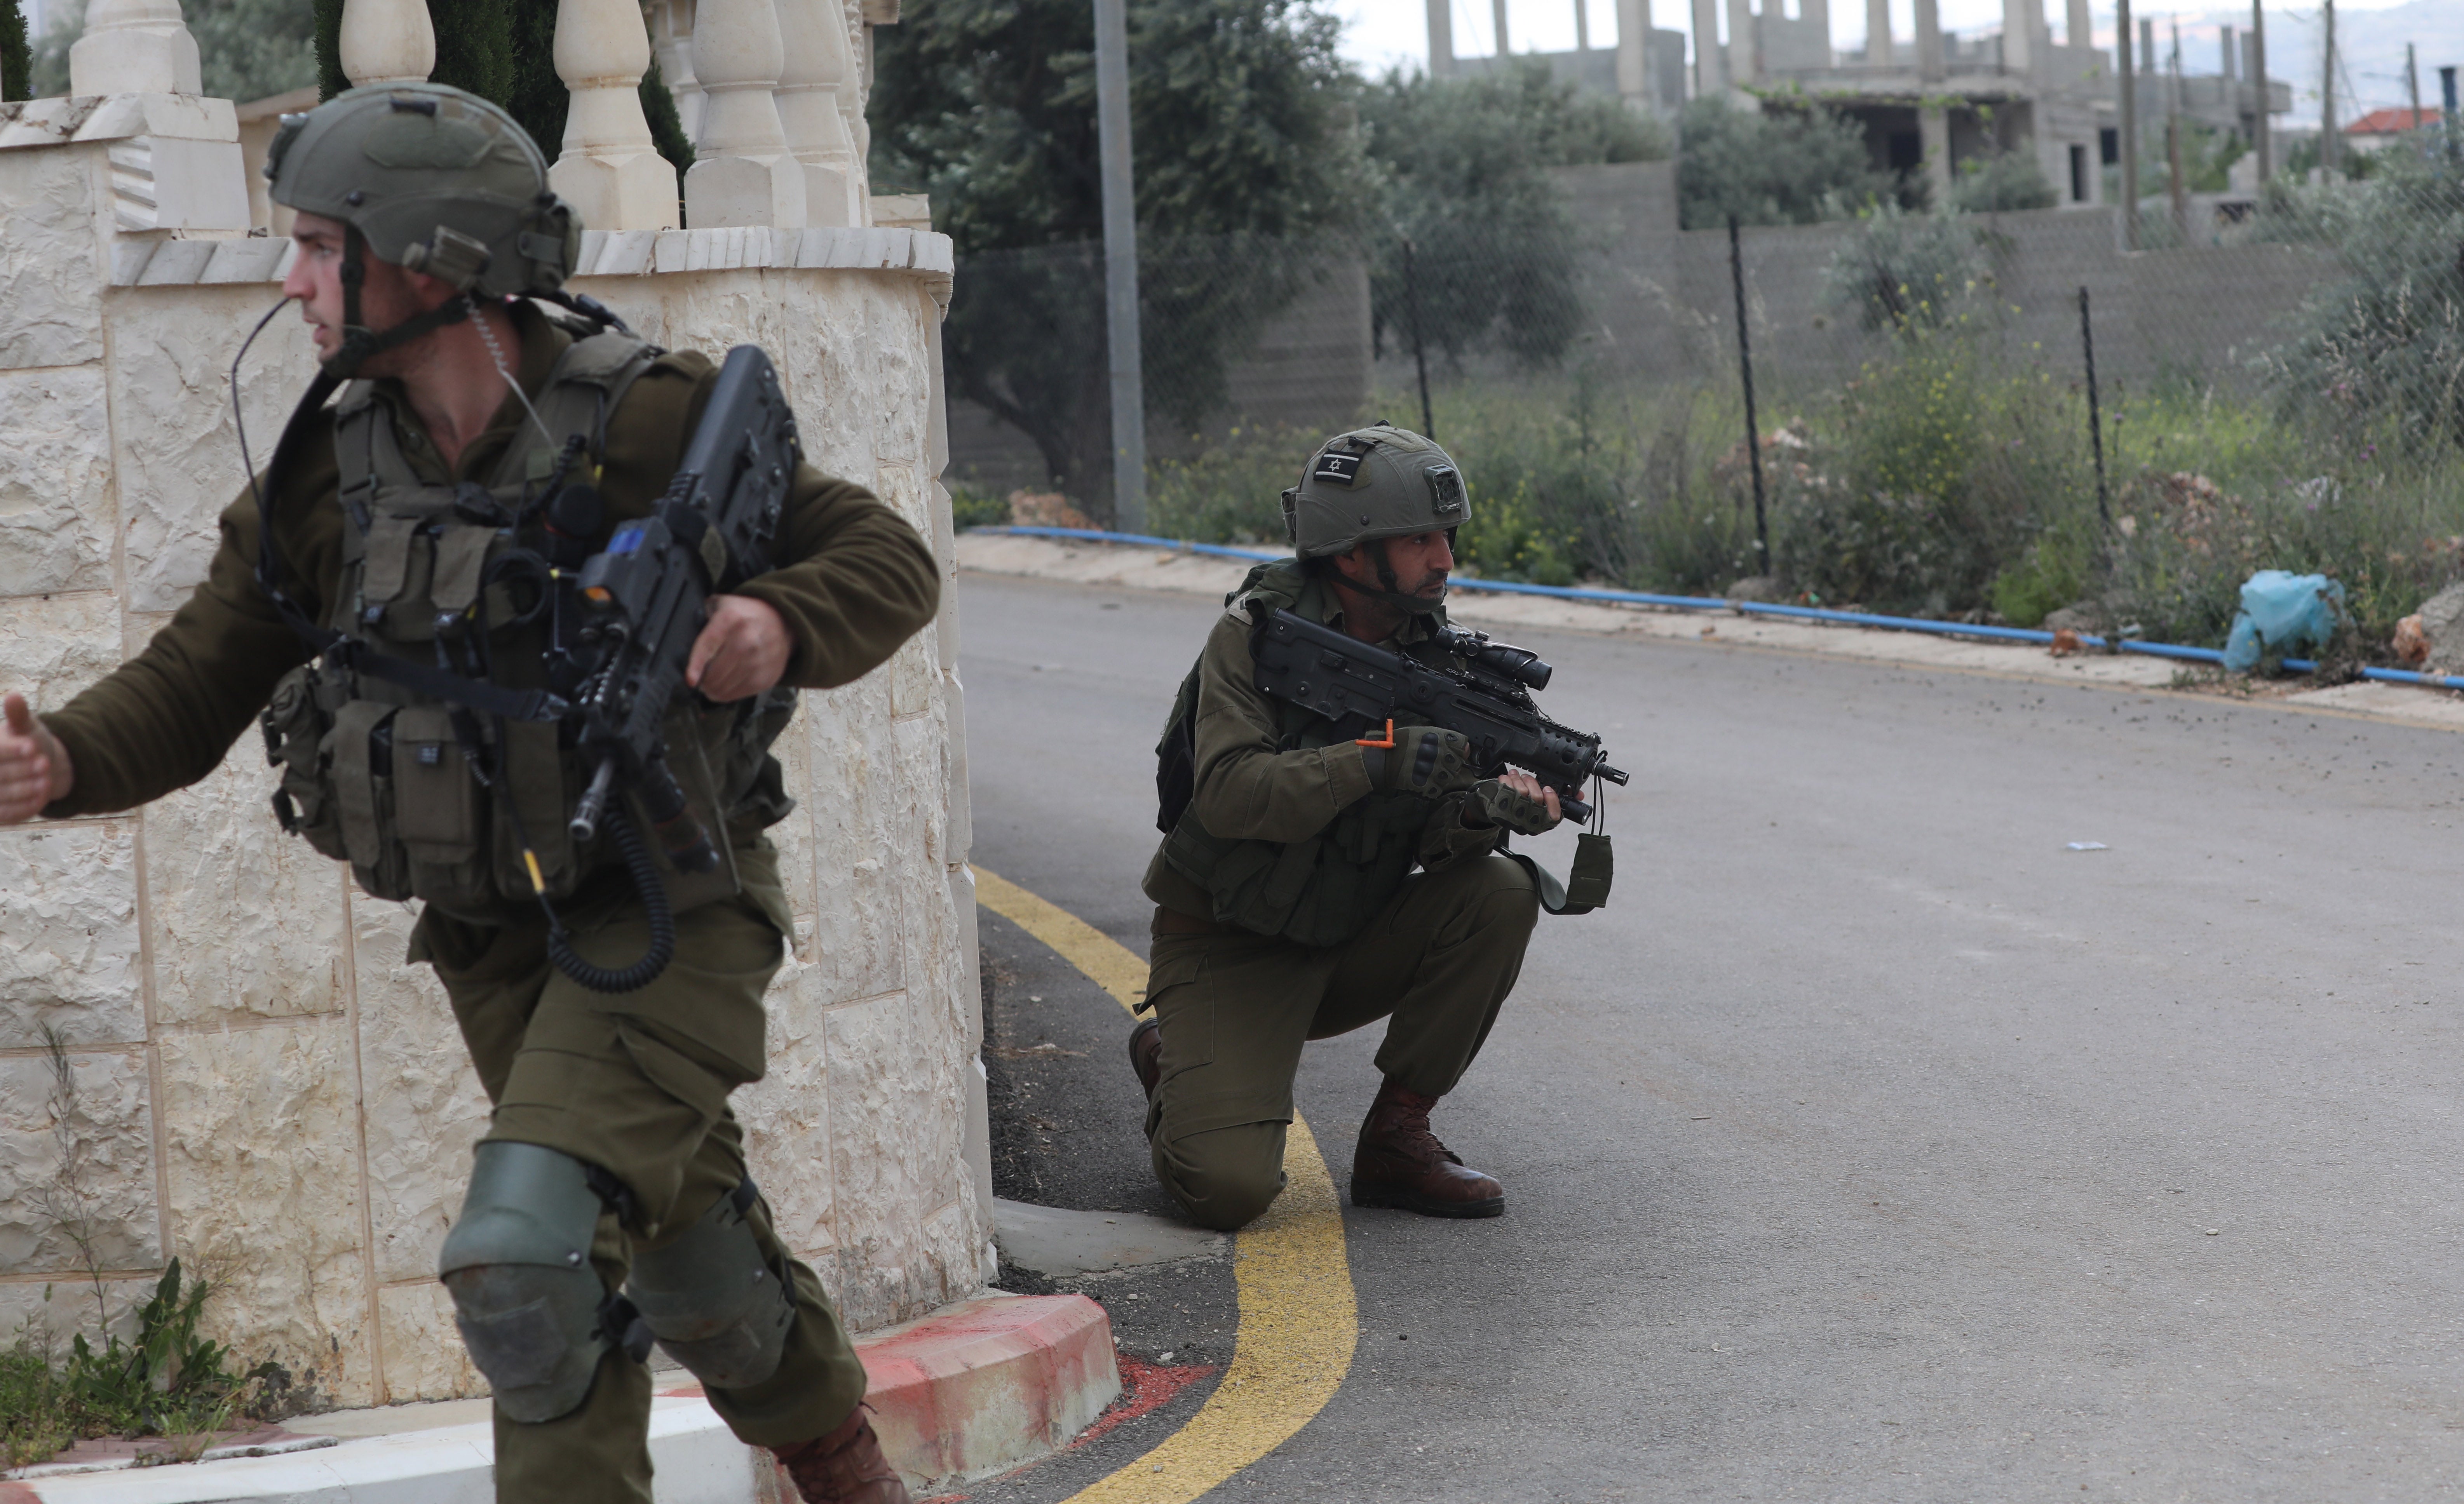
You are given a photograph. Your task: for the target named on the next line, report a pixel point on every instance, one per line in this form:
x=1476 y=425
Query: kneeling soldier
x=1315 y=881
x=432 y=516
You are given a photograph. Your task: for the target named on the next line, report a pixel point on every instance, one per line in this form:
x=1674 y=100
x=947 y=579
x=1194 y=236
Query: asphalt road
x=1871 y=1145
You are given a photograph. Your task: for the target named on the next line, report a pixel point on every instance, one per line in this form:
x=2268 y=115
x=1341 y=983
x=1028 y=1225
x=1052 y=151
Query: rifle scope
x=1505 y=660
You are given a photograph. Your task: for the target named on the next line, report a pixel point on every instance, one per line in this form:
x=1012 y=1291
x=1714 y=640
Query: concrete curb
x=1147 y=567
x=977 y=1387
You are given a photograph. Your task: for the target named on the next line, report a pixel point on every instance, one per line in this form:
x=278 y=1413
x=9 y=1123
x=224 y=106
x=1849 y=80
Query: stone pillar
x=388 y=41
x=611 y=172
x=1744 y=58
x=134 y=47
x=1710 y=68
x=744 y=173
x=818 y=64
x=1878 y=33
x=672 y=41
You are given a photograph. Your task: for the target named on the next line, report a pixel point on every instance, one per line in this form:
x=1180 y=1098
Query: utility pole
x=1120 y=266
x=2173 y=139
x=2126 y=51
x=2412 y=88
x=2258 y=82
x=2328 y=142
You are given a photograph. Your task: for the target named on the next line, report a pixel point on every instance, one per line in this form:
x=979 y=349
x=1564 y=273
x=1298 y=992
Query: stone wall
x=261 y=1087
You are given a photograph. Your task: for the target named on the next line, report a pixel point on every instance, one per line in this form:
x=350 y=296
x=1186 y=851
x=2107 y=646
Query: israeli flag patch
x=1344 y=469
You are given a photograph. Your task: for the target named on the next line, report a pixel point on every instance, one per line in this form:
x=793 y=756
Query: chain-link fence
x=2285 y=391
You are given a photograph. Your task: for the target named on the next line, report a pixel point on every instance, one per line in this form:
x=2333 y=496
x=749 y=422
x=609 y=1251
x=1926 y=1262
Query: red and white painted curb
x=974 y=1388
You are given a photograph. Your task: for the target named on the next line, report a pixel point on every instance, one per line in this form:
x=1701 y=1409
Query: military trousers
x=1235 y=1009
x=637 y=1084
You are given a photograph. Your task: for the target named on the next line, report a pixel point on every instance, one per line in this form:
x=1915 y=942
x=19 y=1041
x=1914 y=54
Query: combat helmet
x=1372 y=484
x=435 y=179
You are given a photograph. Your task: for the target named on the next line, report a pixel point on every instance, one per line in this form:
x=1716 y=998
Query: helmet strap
x=359 y=340
x=1394 y=594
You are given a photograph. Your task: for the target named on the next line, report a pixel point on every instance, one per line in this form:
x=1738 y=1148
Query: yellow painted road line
x=1298 y=1319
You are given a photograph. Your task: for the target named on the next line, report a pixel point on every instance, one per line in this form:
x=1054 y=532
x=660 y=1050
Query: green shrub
x=2006 y=180
x=1905 y=270
x=970 y=508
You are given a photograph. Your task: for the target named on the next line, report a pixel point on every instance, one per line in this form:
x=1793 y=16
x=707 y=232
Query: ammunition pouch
x=432 y=799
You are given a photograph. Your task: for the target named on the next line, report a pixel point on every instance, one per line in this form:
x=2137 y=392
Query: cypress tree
x=17 y=57
x=330 y=77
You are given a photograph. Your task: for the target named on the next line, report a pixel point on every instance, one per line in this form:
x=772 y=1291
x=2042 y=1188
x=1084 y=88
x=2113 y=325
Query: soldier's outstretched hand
x=34 y=766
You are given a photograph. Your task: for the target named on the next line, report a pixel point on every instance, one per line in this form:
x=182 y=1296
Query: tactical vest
x=429 y=800
x=1320 y=891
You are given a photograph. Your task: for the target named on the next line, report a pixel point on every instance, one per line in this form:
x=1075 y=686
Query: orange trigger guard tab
x=1388 y=742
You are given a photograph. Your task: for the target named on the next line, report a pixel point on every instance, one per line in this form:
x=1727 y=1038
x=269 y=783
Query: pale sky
x=1383 y=33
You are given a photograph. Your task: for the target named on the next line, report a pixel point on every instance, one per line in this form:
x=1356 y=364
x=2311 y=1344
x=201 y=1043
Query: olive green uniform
x=635 y=1083
x=1236 y=1004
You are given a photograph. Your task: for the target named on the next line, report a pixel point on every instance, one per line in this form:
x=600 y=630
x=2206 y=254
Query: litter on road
x=2089 y=845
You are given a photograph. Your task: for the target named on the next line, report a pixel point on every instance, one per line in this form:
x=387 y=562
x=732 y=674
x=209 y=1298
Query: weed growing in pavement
x=165 y=1379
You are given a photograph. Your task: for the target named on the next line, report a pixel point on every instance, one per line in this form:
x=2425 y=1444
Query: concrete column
x=1933 y=121
x=1637 y=82
x=1710 y=72
x=2019 y=36
x=610 y=171
x=672 y=38
x=143 y=47
x=819 y=63
x=1878 y=33
x=1744 y=58
x=386 y=41
x=2078 y=29
x=1441 y=38
x=1933 y=126
x=1497 y=17
x=743 y=172
x=1816 y=15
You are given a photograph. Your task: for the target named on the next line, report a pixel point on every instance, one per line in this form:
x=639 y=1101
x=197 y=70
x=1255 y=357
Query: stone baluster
x=858 y=84
x=134 y=47
x=610 y=171
x=388 y=41
x=674 y=47
x=818 y=64
x=743 y=172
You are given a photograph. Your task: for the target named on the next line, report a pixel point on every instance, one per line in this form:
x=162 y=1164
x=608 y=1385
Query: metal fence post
x=1120 y=266
x=2094 y=418
x=1419 y=357
x=1746 y=366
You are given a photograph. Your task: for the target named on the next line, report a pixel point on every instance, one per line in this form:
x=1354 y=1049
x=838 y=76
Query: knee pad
x=518 y=1264
x=712 y=1301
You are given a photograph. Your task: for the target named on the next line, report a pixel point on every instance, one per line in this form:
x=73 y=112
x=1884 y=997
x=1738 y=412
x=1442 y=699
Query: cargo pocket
x=360 y=752
x=438 y=813
x=295 y=733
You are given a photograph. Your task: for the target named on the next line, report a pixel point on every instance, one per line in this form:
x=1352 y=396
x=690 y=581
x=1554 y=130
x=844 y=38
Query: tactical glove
x=1493 y=802
x=1425 y=760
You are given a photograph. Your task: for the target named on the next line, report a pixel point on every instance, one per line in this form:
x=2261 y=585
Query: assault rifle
x=646 y=593
x=1488 y=700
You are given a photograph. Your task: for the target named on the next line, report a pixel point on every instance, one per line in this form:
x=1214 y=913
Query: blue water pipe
x=1641 y=598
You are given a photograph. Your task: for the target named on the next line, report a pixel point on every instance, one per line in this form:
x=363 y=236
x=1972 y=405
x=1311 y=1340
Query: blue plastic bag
x=2282 y=613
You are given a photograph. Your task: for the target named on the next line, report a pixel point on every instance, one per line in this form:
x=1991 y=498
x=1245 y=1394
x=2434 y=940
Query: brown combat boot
x=1399 y=1163
x=845 y=1467
x=1146 y=1054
